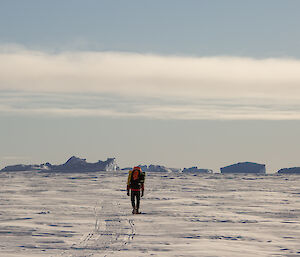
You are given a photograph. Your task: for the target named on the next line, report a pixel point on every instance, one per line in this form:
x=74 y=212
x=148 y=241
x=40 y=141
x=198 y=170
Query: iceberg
x=293 y=170
x=245 y=167
x=74 y=164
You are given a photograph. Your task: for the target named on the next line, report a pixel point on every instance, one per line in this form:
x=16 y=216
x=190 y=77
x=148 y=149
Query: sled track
x=113 y=231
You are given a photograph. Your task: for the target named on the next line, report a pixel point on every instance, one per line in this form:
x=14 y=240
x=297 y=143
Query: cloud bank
x=149 y=86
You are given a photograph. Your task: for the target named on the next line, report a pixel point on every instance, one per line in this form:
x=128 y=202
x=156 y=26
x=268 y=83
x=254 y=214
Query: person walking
x=135 y=185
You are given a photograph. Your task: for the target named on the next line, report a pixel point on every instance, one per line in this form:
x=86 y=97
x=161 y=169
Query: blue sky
x=267 y=28
x=179 y=83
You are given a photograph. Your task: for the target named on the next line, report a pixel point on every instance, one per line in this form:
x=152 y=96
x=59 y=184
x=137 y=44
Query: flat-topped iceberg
x=196 y=170
x=155 y=168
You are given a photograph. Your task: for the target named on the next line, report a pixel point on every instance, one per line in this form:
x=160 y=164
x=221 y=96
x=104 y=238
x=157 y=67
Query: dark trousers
x=135 y=195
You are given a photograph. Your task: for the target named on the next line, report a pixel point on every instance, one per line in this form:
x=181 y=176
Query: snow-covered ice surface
x=183 y=215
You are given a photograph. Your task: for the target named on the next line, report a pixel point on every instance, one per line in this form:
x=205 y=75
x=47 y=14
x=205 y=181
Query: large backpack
x=137 y=179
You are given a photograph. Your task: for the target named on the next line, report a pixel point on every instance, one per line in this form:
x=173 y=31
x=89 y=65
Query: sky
x=176 y=83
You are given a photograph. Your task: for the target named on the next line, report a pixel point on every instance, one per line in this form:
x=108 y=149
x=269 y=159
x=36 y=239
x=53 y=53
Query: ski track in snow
x=76 y=215
x=111 y=232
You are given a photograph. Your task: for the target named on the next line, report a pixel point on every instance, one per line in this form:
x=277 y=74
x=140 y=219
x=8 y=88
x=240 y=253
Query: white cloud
x=151 y=86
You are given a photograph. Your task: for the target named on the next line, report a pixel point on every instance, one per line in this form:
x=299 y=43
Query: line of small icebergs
x=75 y=164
